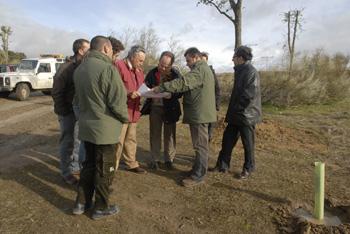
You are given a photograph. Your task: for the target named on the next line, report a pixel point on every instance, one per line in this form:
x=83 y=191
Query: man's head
x=80 y=47
x=136 y=56
x=102 y=44
x=242 y=54
x=192 y=55
x=117 y=47
x=204 y=56
x=166 y=60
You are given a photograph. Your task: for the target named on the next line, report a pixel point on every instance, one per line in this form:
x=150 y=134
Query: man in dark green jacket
x=198 y=88
x=101 y=97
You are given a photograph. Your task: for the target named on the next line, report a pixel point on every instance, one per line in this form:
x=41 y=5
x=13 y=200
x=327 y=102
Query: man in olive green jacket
x=198 y=88
x=101 y=98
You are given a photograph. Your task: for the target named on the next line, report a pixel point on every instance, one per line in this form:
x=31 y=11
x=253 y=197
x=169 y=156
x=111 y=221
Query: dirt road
x=34 y=199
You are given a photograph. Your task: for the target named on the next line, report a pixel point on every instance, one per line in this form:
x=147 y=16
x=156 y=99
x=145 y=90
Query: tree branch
x=211 y=2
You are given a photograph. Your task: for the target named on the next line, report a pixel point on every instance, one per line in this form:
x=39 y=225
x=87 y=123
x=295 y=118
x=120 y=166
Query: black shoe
x=154 y=165
x=169 y=165
x=217 y=169
x=80 y=208
x=138 y=170
x=244 y=175
x=111 y=210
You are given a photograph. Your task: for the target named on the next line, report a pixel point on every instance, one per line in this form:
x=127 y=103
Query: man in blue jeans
x=63 y=94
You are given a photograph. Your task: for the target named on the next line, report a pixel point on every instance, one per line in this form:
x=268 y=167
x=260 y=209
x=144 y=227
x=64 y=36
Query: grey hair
x=134 y=50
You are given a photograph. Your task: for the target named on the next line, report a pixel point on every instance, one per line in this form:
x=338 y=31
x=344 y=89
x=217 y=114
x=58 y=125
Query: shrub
x=317 y=78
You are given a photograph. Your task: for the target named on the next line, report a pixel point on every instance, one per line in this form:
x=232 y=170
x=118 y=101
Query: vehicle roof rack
x=57 y=56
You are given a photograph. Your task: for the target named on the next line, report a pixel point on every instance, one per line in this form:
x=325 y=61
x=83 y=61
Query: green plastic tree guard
x=319 y=190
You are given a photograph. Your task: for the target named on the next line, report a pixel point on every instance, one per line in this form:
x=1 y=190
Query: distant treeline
x=14 y=57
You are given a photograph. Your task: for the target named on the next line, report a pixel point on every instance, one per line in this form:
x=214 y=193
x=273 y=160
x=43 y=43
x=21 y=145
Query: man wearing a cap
x=243 y=113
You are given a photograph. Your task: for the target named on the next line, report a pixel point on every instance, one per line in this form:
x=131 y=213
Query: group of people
x=96 y=96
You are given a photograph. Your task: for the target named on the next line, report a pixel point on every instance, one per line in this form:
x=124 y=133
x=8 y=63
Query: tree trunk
x=238 y=27
x=292 y=21
x=236 y=7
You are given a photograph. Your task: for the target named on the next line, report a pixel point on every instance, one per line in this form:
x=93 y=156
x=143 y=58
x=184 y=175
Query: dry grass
x=317 y=78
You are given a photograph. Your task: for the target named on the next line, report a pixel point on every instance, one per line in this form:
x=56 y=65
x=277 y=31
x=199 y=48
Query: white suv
x=31 y=75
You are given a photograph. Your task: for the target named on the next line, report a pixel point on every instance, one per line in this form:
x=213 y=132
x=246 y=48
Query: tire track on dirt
x=25 y=116
x=15 y=104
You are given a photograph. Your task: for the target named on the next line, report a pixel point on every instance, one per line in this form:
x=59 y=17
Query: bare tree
x=5 y=33
x=176 y=48
x=126 y=36
x=147 y=37
x=232 y=10
x=293 y=20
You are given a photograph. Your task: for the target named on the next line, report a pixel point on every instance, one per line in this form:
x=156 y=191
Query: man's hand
x=156 y=89
x=134 y=95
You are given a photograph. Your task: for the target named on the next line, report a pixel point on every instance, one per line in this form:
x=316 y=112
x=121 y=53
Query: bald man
x=101 y=97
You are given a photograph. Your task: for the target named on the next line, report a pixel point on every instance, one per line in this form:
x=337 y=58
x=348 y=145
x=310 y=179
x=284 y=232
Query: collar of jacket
x=99 y=55
x=241 y=66
x=198 y=63
x=75 y=60
x=129 y=65
x=173 y=71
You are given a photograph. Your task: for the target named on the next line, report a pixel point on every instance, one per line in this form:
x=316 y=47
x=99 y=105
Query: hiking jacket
x=245 y=102
x=171 y=107
x=198 y=87
x=132 y=80
x=101 y=98
x=63 y=88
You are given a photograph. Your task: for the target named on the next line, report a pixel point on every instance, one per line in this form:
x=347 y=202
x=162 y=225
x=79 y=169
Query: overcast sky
x=51 y=26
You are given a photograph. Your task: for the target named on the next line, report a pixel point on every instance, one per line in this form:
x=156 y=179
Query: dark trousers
x=211 y=127
x=97 y=175
x=199 y=135
x=230 y=138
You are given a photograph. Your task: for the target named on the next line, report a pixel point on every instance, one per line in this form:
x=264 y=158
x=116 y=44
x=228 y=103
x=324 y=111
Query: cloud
x=53 y=30
x=187 y=28
x=33 y=38
x=330 y=34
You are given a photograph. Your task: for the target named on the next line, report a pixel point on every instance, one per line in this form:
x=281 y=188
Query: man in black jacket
x=63 y=94
x=244 y=111
x=164 y=112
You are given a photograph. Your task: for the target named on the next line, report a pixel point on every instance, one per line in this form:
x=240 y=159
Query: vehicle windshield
x=26 y=65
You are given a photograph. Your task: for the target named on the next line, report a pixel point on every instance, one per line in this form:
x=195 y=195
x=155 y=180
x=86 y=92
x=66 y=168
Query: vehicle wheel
x=22 y=91
x=46 y=92
x=4 y=94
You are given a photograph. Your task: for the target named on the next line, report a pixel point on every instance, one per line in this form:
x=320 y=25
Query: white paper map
x=148 y=93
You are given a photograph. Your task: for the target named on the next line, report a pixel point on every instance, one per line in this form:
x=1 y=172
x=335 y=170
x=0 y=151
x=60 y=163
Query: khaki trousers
x=169 y=136
x=127 y=145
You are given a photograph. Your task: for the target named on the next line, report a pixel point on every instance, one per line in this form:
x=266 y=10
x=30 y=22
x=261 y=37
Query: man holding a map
x=164 y=111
